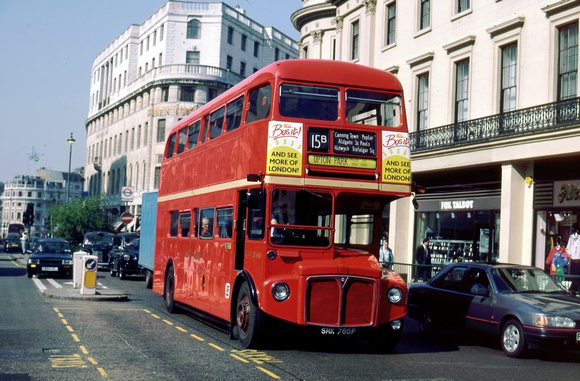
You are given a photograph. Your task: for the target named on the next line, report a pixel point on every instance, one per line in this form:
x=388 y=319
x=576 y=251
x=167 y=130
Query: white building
x=154 y=74
x=493 y=109
x=43 y=190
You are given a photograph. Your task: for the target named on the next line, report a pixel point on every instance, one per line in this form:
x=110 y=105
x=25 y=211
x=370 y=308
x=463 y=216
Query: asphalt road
x=134 y=338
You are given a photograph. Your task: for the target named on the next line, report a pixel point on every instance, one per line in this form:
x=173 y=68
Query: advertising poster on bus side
x=284 y=148
x=396 y=158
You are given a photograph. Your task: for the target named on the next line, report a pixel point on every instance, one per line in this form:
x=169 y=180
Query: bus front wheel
x=248 y=318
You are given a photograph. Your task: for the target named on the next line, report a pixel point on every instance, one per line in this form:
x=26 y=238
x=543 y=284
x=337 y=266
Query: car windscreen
x=98 y=239
x=53 y=248
x=517 y=279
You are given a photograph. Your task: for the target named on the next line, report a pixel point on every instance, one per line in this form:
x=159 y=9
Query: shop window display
x=458 y=236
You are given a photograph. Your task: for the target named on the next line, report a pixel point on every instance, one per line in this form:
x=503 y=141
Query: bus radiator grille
x=340 y=301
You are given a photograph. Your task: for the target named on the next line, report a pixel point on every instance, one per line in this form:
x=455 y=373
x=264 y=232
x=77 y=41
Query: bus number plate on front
x=337 y=331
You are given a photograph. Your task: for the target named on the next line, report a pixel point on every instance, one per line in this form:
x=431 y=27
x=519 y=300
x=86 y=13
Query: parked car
x=124 y=257
x=522 y=305
x=99 y=243
x=12 y=244
x=51 y=256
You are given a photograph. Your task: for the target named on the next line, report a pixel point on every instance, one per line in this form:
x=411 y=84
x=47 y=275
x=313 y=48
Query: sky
x=48 y=50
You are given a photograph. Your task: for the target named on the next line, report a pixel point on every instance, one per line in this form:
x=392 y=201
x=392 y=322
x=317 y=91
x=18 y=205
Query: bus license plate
x=337 y=331
x=50 y=269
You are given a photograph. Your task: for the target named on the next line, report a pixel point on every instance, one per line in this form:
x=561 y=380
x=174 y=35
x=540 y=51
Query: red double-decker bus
x=271 y=198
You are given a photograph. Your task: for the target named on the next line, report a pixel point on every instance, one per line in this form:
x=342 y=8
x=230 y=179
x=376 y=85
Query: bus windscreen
x=373 y=108
x=309 y=102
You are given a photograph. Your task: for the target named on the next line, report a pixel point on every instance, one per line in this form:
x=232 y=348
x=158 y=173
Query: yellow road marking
x=273 y=375
x=84 y=350
x=197 y=337
x=181 y=329
x=239 y=358
x=102 y=372
x=216 y=347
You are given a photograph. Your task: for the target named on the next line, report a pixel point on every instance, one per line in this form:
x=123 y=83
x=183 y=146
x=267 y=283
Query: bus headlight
x=280 y=291
x=395 y=295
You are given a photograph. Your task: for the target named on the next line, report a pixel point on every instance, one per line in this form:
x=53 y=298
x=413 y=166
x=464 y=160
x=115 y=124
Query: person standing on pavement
x=423 y=259
x=386 y=257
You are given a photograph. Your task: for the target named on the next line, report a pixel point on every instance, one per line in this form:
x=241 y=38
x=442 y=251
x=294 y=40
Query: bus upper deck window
x=234 y=114
x=309 y=102
x=193 y=134
x=171 y=146
x=259 y=103
x=182 y=140
x=373 y=108
x=216 y=120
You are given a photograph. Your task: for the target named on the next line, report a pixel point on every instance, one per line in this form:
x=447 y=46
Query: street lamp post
x=70 y=142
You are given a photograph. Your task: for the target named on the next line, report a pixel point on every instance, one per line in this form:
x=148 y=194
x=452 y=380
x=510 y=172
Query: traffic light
x=28 y=218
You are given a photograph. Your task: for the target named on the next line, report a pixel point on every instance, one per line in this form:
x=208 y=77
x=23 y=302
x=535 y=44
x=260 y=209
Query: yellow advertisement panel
x=396 y=158
x=284 y=148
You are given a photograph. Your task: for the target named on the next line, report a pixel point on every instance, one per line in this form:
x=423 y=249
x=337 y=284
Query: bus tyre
x=248 y=318
x=148 y=279
x=513 y=340
x=169 y=291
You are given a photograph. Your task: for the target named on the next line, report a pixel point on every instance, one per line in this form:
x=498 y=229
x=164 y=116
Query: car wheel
x=112 y=269
x=513 y=340
x=427 y=325
x=122 y=274
x=248 y=318
x=169 y=291
x=29 y=274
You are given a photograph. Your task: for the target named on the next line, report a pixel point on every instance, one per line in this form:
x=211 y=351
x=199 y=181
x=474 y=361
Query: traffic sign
x=126 y=218
x=127 y=193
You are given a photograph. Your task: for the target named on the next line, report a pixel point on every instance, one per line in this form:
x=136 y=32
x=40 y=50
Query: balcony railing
x=543 y=118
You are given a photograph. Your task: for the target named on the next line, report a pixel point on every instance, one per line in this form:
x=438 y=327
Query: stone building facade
x=155 y=73
x=492 y=106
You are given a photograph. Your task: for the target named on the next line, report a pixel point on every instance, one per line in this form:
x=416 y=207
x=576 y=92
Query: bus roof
x=315 y=71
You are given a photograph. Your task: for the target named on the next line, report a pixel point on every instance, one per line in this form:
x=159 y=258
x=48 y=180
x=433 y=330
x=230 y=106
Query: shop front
x=557 y=207
x=464 y=228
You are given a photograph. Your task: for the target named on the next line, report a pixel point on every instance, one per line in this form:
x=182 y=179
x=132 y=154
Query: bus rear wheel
x=169 y=291
x=248 y=318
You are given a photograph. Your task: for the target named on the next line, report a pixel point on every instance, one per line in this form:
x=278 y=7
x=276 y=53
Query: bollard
x=89 y=277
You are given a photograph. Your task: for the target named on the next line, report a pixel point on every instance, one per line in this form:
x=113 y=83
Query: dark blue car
x=52 y=257
x=124 y=257
x=522 y=305
x=99 y=243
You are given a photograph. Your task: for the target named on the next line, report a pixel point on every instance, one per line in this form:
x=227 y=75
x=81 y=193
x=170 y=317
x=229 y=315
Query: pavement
x=64 y=288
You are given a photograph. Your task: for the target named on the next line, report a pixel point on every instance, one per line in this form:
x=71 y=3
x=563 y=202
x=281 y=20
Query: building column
x=517 y=212
x=401 y=228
